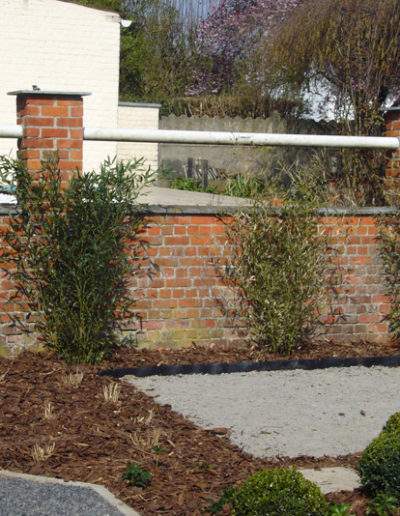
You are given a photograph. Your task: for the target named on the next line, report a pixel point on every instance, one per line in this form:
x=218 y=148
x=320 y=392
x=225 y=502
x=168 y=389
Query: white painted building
x=145 y=116
x=58 y=45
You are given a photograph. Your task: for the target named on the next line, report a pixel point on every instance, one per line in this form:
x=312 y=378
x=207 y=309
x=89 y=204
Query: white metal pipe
x=227 y=138
x=10 y=131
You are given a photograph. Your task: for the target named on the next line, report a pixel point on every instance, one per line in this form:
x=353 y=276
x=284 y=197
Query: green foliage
x=383 y=505
x=277 y=262
x=389 y=248
x=217 y=506
x=379 y=465
x=156 y=49
x=136 y=476
x=339 y=510
x=68 y=249
x=190 y=184
x=243 y=185
x=350 y=49
x=278 y=491
x=392 y=424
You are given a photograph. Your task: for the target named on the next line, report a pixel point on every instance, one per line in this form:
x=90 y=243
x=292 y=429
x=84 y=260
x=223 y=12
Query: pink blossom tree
x=227 y=38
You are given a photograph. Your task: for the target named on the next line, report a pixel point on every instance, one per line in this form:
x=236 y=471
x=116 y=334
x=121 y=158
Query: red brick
x=185 y=303
x=201 y=219
x=201 y=240
x=55 y=111
x=176 y=240
x=177 y=282
x=40 y=101
x=69 y=122
x=32 y=132
x=178 y=219
x=193 y=230
x=68 y=144
x=69 y=102
x=69 y=165
x=31 y=153
x=37 y=143
x=39 y=121
x=76 y=155
x=31 y=110
x=76 y=111
x=54 y=133
x=180 y=230
x=76 y=134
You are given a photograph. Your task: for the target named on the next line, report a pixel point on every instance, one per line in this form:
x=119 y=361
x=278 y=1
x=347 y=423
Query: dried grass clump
x=49 y=411
x=73 y=379
x=41 y=453
x=147 y=440
x=111 y=392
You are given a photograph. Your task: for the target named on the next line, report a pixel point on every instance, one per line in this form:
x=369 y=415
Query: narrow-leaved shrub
x=278 y=262
x=68 y=245
x=389 y=247
x=278 y=492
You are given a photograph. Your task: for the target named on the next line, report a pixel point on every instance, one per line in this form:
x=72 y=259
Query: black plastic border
x=308 y=364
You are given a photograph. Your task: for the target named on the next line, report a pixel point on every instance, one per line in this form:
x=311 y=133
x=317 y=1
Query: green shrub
x=279 y=492
x=379 y=465
x=67 y=246
x=392 y=424
x=277 y=261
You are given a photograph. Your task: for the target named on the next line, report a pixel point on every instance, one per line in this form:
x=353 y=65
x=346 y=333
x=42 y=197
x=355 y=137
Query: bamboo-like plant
x=278 y=262
x=72 y=248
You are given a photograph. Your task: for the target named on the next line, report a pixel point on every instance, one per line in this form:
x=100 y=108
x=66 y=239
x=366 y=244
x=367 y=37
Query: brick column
x=52 y=123
x=392 y=120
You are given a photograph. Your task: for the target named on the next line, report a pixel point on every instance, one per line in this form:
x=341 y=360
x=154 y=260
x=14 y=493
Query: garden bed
x=94 y=439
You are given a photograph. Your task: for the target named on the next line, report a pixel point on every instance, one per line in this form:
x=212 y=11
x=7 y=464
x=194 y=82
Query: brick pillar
x=52 y=123
x=392 y=120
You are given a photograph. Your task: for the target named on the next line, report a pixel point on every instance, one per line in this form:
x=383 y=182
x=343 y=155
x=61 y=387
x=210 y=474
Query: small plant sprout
x=73 y=379
x=111 y=392
x=49 y=410
x=136 y=476
x=41 y=453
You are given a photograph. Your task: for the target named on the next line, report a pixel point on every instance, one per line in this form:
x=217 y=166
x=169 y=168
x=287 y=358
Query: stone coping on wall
x=167 y=201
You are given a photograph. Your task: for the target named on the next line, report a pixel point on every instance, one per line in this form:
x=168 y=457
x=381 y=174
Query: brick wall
x=51 y=123
x=183 y=303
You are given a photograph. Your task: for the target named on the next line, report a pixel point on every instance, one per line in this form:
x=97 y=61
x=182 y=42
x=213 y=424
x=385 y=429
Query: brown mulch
x=95 y=439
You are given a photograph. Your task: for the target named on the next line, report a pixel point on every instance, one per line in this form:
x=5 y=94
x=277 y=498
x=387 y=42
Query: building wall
x=58 y=45
x=140 y=116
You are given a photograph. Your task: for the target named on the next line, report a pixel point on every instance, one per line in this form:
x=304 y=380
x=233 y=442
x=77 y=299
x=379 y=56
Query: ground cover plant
x=68 y=246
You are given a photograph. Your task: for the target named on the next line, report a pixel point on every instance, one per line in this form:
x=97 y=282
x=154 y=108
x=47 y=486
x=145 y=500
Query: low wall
x=183 y=303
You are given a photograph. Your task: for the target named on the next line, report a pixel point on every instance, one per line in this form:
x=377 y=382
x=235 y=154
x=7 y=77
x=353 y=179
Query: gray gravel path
x=287 y=413
x=29 y=495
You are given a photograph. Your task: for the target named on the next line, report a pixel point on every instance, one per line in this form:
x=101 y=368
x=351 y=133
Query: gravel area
x=26 y=495
x=286 y=413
